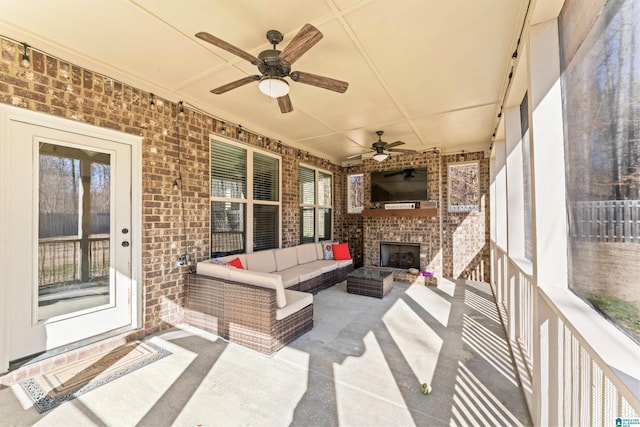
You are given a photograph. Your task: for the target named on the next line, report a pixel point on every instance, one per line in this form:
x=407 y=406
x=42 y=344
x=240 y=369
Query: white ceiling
x=431 y=73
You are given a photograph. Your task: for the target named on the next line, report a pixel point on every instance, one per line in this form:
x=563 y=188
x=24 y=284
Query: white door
x=66 y=236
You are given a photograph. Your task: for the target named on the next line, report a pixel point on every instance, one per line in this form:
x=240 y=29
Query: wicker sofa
x=267 y=303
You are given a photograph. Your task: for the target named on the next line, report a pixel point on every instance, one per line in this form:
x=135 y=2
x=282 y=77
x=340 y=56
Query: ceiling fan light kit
x=380 y=157
x=274 y=87
x=275 y=65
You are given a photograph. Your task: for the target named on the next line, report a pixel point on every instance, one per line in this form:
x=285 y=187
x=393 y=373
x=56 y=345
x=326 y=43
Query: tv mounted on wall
x=401 y=185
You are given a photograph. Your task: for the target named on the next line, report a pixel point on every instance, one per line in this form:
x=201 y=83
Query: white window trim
x=249 y=202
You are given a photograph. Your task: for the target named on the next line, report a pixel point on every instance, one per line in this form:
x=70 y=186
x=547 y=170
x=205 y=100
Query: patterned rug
x=67 y=382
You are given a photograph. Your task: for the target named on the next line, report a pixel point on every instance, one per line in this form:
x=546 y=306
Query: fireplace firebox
x=400 y=255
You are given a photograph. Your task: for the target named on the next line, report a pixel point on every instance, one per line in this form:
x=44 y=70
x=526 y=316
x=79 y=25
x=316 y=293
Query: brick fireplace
x=422 y=234
x=451 y=244
x=418 y=230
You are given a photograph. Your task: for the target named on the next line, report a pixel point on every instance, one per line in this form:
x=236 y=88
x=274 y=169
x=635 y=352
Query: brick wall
x=176 y=145
x=422 y=230
x=451 y=244
x=173 y=145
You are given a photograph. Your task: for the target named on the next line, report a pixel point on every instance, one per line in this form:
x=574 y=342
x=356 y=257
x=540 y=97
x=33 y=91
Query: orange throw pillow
x=341 y=251
x=236 y=263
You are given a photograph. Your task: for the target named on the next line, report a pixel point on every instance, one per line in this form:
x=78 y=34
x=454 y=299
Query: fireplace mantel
x=400 y=212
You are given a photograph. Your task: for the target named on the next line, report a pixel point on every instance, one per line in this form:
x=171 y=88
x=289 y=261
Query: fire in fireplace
x=400 y=255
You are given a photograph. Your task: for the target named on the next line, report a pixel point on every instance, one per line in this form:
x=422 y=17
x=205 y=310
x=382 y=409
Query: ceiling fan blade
x=302 y=42
x=319 y=81
x=285 y=104
x=243 y=81
x=400 y=150
x=228 y=47
x=394 y=144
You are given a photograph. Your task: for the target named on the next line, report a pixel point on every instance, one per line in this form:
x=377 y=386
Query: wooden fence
x=606 y=221
x=56 y=224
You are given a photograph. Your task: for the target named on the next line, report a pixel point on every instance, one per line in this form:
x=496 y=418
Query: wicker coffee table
x=371 y=282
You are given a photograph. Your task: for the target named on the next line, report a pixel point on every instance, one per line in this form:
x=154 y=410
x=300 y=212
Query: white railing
x=514 y=295
x=590 y=391
x=574 y=384
x=60 y=260
x=607 y=221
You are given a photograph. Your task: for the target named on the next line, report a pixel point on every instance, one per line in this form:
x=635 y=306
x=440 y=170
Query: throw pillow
x=217 y=262
x=341 y=251
x=236 y=263
x=327 y=249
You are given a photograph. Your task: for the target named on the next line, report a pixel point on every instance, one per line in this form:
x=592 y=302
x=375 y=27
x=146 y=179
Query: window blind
x=265 y=227
x=307 y=225
x=307 y=186
x=227 y=227
x=228 y=171
x=265 y=177
x=324 y=189
x=324 y=224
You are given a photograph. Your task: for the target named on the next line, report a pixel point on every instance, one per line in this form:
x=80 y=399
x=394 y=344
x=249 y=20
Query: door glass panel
x=73 y=230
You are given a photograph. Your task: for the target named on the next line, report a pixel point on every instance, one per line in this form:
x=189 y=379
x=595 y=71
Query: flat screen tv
x=402 y=185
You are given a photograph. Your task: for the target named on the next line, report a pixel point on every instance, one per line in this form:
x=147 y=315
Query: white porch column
x=549 y=215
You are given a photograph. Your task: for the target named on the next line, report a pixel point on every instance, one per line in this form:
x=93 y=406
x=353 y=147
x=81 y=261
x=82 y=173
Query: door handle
x=125 y=244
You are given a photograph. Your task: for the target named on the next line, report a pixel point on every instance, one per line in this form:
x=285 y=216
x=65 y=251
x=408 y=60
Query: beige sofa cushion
x=285 y=258
x=209 y=268
x=344 y=263
x=295 y=302
x=319 y=251
x=290 y=277
x=324 y=265
x=301 y=272
x=306 y=253
x=306 y=272
x=266 y=280
x=262 y=261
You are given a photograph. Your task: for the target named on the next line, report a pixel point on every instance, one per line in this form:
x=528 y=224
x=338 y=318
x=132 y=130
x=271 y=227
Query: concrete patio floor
x=361 y=365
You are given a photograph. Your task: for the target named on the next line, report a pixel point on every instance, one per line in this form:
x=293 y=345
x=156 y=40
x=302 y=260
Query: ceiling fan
x=382 y=149
x=275 y=65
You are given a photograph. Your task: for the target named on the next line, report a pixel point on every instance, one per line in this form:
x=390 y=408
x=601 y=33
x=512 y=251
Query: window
x=245 y=189
x=601 y=89
x=315 y=204
x=266 y=208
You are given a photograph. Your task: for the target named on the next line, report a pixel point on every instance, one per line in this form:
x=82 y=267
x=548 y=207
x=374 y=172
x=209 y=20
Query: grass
x=625 y=314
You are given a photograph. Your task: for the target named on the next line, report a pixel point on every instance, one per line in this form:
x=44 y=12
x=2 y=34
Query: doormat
x=67 y=382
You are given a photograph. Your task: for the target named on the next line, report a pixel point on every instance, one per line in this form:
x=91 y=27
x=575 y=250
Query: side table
x=371 y=282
